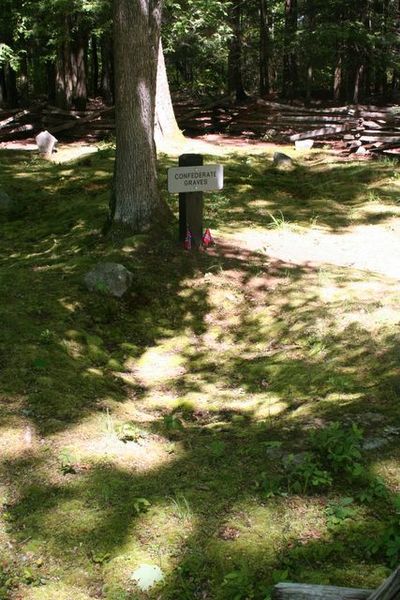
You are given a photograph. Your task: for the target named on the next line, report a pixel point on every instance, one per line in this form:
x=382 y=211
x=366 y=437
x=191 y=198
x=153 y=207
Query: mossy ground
x=176 y=393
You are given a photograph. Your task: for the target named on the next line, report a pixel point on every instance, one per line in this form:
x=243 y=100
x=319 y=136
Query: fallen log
x=88 y=119
x=324 y=131
x=300 y=591
x=13 y=118
x=17 y=132
x=389 y=590
x=381 y=138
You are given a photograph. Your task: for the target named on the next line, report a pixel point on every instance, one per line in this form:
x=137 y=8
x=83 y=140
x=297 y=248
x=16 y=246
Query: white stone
x=304 y=144
x=45 y=142
x=146 y=576
x=361 y=151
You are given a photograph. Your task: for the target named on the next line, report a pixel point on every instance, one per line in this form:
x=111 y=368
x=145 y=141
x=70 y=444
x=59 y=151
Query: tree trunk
x=78 y=69
x=264 y=48
x=166 y=128
x=107 y=70
x=71 y=87
x=11 y=86
x=235 y=77
x=51 y=81
x=289 y=56
x=24 y=80
x=95 y=66
x=3 y=92
x=357 y=83
x=136 y=202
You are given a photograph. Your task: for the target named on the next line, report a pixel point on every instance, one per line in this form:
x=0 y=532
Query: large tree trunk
x=71 y=87
x=79 y=69
x=11 y=86
x=264 y=48
x=136 y=201
x=235 y=76
x=290 y=75
x=166 y=128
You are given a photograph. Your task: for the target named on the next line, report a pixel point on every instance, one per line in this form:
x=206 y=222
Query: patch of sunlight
x=48 y=251
x=59 y=590
x=70 y=306
x=247 y=524
x=270 y=407
x=93 y=371
x=243 y=188
x=370 y=319
x=341 y=398
x=97 y=438
x=22 y=175
x=156 y=366
x=17 y=441
x=388 y=469
x=72 y=152
x=330 y=293
x=260 y=203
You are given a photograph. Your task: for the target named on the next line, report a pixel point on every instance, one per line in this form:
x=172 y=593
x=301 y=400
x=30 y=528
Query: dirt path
x=374 y=248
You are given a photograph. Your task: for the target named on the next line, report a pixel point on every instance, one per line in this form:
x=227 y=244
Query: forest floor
x=233 y=421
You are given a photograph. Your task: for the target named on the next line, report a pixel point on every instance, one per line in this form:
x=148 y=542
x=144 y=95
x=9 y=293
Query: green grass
x=155 y=429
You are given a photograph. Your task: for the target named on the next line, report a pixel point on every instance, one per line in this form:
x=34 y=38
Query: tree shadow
x=262 y=349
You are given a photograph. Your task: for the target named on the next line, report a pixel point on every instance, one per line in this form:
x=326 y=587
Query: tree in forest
x=136 y=202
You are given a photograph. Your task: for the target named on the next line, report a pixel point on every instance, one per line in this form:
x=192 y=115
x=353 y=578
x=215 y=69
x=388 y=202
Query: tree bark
x=71 y=86
x=165 y=127
x=235 y=76
x=79 y=68
x=3 y=92
x=136 y=202
x=107 y=69
x=94 y=66
x=290 y=74
x=264 y=48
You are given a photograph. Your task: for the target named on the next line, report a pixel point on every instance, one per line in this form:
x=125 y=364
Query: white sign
x=207 y=178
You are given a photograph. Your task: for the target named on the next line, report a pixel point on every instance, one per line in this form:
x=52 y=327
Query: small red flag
x=207 y=238
x=188 y=240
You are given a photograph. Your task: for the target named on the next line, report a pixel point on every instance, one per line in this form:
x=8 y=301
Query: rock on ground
x=283 y=161
x=109 y=278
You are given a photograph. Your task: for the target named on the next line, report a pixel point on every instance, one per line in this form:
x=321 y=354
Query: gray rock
x=45 y=143
x=109 y=278
x=374 y=443
x=283 y=161
x=6 y=204
x=372 y=417
x=304 y=144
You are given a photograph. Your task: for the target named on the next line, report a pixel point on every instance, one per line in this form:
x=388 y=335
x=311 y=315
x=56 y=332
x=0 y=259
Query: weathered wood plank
x=390 y=589
x=381 y=138
x=322 y=132
x=13 y=118
x=300 y=591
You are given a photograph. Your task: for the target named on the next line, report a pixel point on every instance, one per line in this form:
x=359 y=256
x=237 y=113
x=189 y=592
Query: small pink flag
x=188 y=240
x=207 y=238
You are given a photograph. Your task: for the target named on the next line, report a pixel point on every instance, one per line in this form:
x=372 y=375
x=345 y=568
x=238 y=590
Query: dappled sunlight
x=153 y=428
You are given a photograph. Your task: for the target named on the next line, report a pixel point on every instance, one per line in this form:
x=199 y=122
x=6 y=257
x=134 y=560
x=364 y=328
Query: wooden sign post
x=190 y=180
